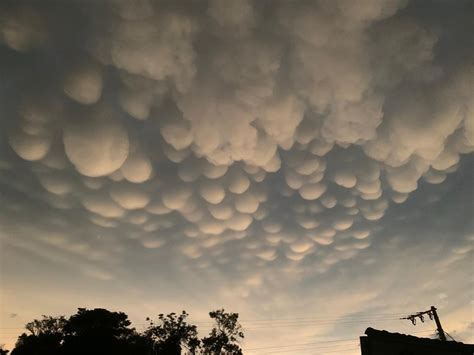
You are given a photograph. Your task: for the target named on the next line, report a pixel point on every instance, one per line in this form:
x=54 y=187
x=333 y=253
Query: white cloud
x=97 y=144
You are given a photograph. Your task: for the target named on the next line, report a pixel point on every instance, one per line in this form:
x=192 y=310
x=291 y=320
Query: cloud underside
x=236 y=135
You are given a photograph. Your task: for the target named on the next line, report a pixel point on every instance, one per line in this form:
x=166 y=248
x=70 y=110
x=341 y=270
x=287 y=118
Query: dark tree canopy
x=172 y=333
x=44 y=338
x=99 y=331
x=47 y=326
x=96 y=331
x=225 y=336
x=98 y=322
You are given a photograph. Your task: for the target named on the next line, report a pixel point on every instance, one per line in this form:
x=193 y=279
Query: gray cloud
x=265 y=141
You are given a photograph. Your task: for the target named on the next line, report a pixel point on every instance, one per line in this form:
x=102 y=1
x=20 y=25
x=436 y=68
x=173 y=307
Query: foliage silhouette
x=96 y=331
x=47 y=325
x=173 y=333
x=99 y=331
x=45 y=337
x=224 y=337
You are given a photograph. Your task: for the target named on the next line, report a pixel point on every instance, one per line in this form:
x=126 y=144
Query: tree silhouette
x=224 y=337
x=45 y=337
x=3 y=351
x=172 y=333
x=47 y=325
x=97 y=331
x=44 y=344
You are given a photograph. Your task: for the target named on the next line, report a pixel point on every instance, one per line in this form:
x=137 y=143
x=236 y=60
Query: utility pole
x=431 y=314
x=441 y=334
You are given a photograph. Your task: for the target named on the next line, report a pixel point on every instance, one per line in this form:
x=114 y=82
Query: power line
x=325 y=318
x=361 y=317
x=324 y=350
x=286 y=346
x=305 y=318
x=449 y=335
x=301 y=324
x=318 y=343
x=319 y=320
x=287 y=323
x=313 y=349
x=432 y=314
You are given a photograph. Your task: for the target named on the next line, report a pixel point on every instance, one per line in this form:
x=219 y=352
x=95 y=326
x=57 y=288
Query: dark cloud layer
x=270 y=143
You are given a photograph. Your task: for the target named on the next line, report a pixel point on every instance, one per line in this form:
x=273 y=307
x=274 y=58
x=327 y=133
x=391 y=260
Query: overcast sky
x=280 y=159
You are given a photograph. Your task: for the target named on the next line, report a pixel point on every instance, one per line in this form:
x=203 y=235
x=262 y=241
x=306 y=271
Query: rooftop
x=403 y=338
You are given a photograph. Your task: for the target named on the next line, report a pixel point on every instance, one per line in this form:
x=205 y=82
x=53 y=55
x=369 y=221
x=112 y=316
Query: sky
x=307 y=164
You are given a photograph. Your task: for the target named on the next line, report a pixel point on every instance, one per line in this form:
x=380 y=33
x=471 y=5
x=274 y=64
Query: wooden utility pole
x=441 y=334
x=432 y=314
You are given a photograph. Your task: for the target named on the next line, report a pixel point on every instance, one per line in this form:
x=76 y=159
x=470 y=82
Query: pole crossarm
x=433 y=315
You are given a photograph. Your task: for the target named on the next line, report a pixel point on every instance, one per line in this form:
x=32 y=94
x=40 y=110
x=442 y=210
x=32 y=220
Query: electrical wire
x=325 y=343
x=246 y=321
x=313 y=349
x=450 y=336
x=314 y=323
x=286 y=346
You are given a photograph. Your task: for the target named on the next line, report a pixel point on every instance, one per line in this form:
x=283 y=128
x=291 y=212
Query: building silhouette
x=380 y=342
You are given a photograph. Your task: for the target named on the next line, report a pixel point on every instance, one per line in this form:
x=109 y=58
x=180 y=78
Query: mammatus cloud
x=253 y=138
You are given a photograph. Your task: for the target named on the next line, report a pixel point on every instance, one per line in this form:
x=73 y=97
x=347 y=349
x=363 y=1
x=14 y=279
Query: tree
x=98 y=322
x=225 y=336
x=45 y=338
x=47 y=325
x=97 y=331
x=3 y=351
x=172 y=333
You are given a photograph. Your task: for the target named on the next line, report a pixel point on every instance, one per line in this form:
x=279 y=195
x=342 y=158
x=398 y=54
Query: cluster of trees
x=99 y=331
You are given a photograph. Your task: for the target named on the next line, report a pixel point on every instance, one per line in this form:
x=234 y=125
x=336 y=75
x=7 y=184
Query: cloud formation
x=235 y=136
